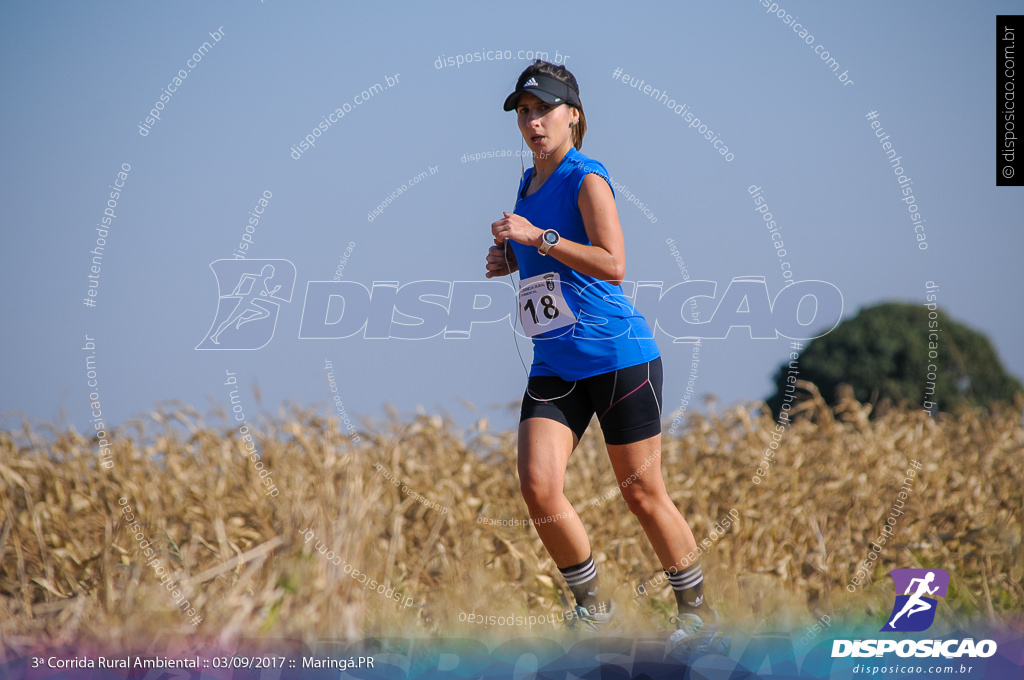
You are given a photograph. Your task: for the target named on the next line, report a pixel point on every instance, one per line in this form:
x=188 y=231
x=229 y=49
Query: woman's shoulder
x=584 y=165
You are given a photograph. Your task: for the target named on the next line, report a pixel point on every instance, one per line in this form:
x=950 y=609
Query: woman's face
x=545 y=127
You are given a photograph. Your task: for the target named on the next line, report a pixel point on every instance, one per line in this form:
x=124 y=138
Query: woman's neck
x=545 y=166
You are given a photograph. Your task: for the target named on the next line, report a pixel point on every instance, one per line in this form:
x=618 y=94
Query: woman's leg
x=544 y=449
x=638 y=468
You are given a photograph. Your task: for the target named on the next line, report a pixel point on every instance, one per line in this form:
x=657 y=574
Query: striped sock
x=582 y=581
x=688 y=586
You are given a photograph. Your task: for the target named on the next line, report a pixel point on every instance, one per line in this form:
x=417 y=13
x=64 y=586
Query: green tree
x=885 y=355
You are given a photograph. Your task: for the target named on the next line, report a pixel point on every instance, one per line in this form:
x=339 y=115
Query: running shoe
x=585 y=620
x=695 y=636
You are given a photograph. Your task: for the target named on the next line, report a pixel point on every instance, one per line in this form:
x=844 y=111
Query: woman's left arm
x=605 y=259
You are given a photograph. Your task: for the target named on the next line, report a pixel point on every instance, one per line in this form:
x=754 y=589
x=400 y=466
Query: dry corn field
x=72 y=572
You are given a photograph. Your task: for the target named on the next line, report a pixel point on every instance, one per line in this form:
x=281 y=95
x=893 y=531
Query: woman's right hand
x=497 y=264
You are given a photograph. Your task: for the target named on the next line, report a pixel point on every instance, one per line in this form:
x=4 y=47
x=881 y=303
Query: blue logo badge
x=915 y=609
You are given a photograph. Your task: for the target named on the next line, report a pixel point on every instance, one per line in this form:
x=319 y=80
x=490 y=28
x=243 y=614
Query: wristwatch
x=548 y=240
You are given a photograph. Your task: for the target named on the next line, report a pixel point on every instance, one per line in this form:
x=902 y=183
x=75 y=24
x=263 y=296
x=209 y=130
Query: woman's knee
x=539 y=493
x=643 y=501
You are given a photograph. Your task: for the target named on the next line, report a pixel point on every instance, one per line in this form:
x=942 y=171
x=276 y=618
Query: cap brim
x=546 y=97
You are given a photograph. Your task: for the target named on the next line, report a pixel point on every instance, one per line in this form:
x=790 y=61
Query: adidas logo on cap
x=532 y=82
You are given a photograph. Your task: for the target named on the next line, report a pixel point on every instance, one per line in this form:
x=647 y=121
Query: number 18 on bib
x=542 y=307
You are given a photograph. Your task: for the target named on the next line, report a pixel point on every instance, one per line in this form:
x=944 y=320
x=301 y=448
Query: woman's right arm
x=497 y=264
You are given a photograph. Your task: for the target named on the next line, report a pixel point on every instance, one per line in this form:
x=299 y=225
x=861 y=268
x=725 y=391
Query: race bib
x=542 y=307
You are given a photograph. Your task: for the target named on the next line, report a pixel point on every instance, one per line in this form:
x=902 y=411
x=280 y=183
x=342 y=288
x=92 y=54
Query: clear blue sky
x=80 y=78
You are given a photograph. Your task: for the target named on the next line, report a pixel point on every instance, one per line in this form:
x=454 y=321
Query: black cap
x=549 y=90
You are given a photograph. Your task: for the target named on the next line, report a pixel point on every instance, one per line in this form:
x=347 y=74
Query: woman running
x=593 y=353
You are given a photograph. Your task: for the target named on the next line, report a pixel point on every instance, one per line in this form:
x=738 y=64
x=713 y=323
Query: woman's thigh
x=544 y=449
x=637 y=467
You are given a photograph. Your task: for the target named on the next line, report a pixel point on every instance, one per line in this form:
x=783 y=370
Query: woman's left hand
x=517 y=228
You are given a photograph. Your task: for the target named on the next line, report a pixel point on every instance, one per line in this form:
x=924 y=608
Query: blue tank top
x=609 y=333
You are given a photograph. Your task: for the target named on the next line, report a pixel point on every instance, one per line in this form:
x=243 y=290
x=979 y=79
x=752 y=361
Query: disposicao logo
x=914 y=611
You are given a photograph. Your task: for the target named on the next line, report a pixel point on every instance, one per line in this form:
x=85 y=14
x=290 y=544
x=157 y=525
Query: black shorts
x=627 y=402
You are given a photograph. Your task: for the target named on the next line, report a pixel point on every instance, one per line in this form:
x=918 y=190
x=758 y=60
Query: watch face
x=550 y=237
